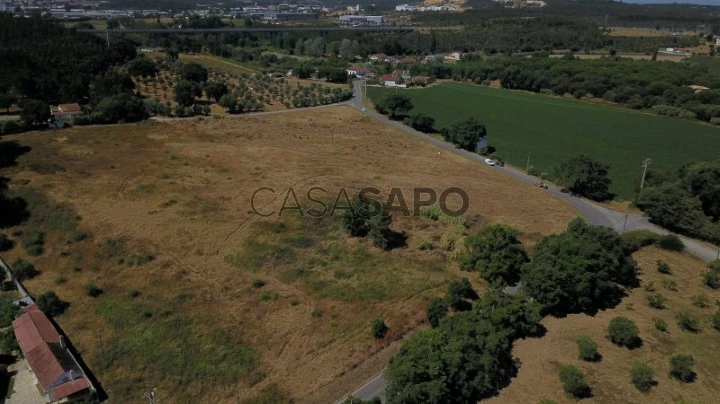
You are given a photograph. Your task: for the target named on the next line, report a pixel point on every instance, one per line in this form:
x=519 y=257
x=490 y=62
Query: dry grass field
x=180 y=255
x=609 y=378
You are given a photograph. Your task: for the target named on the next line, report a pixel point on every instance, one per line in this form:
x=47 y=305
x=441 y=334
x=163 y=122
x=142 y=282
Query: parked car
x=489 y=162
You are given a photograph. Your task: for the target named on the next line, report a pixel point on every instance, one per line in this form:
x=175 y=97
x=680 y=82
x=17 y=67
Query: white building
x=362 y=20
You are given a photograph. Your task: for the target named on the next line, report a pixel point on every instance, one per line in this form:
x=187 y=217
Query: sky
x=707 y=2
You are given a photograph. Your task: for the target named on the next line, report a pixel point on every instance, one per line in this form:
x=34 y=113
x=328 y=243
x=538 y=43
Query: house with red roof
x=408 y=60
x=58 y=374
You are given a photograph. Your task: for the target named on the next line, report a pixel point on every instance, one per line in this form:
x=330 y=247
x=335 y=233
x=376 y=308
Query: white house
x=64 y=114
x=454 y=56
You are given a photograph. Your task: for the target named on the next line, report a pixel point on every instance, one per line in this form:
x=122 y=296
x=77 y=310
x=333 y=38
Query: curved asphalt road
x=592 y=213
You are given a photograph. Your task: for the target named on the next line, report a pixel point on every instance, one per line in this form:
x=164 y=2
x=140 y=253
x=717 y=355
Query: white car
x=364 y=109
x=489 y=162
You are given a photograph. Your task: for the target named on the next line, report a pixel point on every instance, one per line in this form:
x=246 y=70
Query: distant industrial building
x=362 y=20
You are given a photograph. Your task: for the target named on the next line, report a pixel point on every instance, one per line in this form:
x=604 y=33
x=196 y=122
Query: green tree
x=394 y=104
x=50 y=304
x=623 y=331
x=587 y=348
x=573 y=381
x=423 y=123
x=23 y=270
x=34 y=112
x=122 y=107
x=379 y=329
x=466 y=133
x=715 y=321
x=584 y=176
x=458 y=290
x=642 y=376
x=681 y=367
x=687 y=322
x=186 y=91
x=142 y=67
x=368 y=217
x=8 y=311
x=216 y=90
x=579 y=270
x=496 y=253
x=193 y=72
x=229 y=102
x=436 y=310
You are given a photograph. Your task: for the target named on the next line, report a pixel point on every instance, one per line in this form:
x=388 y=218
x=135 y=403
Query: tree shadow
x=10 y=151
x=396 y=239
x=13 y=211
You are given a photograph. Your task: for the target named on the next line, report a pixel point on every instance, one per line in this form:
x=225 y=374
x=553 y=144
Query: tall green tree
x=466 y=133
x=496 y=253
x=579 y=270
x=395 y=105
x=186 y=91
x=34 y=112
x=584 y=176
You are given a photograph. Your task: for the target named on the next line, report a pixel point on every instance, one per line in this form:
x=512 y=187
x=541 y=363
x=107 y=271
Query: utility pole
x=527 y=166
x=624 y=224
x=645 y=165
x=107 y=37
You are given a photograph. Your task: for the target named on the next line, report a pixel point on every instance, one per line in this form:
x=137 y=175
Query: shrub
x=587 y=349
x=681 y=367
x=623 y=331
x=701 y=300
x=573 y=381
x=316 y=313
x=687 y=322
x=715 y=320
x=436 y=311
x=92 y=290
x=33 y=242
x=660 y=324
x=5 y=243
x=670 y=285
x=670 y=242
x=715 y=265
x=656 y=300
x=258 y=283
x=379 y=329
x=50 y=304
x=642 y=376
x=649 y=287
x=60 y=280
x=637 y=239
x=23 y=270
x=663 y=267
x=138 y=259
x=78 y=235
x=712 y=279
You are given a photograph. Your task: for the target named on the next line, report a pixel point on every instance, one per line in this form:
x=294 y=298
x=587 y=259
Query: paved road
x=593 y=213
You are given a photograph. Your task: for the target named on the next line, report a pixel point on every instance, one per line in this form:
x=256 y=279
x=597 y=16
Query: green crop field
x=550 y=129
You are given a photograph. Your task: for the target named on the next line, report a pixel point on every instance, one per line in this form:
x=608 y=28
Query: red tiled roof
x=70 y=388
x=40 y=343
x=408 y=60
x=69 y=109
x=33 y=328
x=388 y=77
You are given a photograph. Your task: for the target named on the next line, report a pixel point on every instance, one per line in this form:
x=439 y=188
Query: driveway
x=24 y=389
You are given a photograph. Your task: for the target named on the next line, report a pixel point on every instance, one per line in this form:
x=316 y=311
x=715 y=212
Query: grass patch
x=46 y=214
x=551 y=129
x=148 y=336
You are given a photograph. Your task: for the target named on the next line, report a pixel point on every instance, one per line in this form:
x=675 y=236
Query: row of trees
x=637 y=84
x=687 y=201
x=465 y=134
